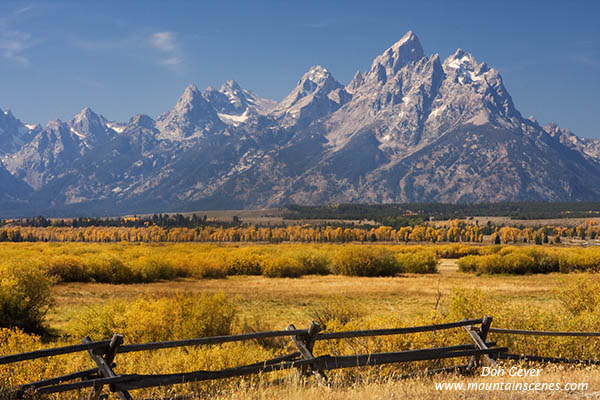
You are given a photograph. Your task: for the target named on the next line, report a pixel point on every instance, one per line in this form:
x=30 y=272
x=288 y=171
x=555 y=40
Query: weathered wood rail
x=542 y=359
x=104 y=352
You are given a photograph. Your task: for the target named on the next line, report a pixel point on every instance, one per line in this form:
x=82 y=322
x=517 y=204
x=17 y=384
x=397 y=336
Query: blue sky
x=127 y=57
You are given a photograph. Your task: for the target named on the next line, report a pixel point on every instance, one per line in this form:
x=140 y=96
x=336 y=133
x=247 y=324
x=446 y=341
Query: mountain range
x=413 y=128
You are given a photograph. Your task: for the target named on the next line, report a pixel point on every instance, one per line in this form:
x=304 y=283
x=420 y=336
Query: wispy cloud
x=586 y=52
x=585 y=60
x=14 y=43
x=170 y=50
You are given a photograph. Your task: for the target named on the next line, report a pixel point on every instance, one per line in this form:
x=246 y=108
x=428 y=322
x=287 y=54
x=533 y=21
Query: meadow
x=162 y=291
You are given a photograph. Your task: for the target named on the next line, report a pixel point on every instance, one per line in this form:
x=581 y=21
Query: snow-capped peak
x=86 y=114
x=316 y=94
x=230 y=86
x=317 y=79
x=90 y=127
x=191 y=117
x=234 y=93
x=234 y=101
x=465 y=67
x=317 y=74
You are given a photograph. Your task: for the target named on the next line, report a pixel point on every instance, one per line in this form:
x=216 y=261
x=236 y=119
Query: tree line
x=455 y=231
x=404 y=214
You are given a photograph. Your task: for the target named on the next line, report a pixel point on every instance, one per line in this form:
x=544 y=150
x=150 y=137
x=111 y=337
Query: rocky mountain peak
x=191 y=91
x=464 y=65
x=316 y=76
x=316 y=94
x=589 y=148
x=230 y=86
x=90 y=127
x=86 y=116
x=409 y=129
x=356 y=82
x=7 y=113
x=408 y=49
x=235 y=95
x=13 y=133
x=192 y=116
x=142 y=120
x=317 y=81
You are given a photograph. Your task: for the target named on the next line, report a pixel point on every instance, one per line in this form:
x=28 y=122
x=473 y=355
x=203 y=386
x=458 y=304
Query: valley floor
x=262 y=303
x=281 y=301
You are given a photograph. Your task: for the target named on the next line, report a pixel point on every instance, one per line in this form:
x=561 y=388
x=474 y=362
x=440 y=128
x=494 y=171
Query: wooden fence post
x=305 y=346
x=105 y=366
x=479 y=340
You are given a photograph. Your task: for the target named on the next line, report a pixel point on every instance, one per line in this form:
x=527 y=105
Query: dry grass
x=424 y=388
x=281 y=301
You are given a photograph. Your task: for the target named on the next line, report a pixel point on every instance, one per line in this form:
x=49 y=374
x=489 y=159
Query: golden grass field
x=262 y=303
x=281 y=301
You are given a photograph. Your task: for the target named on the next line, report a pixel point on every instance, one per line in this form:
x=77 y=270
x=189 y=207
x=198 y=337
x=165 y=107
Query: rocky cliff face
x=411 y=128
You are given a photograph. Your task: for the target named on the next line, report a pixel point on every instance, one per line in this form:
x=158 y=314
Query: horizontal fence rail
x=128 y=348
x=59 y=379
x=557 y=360
x=103 y=354
x=321 y=363
x=541 y=333
x=32 y=355
x=397 y=331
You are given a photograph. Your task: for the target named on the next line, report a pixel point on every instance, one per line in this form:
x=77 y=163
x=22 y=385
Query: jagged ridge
x=411 y=128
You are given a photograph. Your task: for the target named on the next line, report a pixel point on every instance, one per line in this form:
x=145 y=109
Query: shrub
x=314 y=263
x=149 y=319
x=68 y=269
x=209 y=271
x=468 y=264
x=580 y=294
x=202 y=265
x=245 y=262
x=545 y=261
x=282 y=267
x=25 y=296
x=336 y=311
x=154 y=268
x=517 y=263
x=14 y=341
x=510 y=260
x=457 y=251
x=110 y=269
x=579 y=260
x=418 y=263
x=365 y=261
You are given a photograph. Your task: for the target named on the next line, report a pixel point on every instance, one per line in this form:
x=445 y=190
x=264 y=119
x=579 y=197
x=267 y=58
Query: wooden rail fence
x=104 y=352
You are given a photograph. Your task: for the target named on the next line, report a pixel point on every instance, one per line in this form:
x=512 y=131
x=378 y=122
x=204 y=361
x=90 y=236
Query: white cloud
x=164 y=41
x=13 y=45
x=170 y=50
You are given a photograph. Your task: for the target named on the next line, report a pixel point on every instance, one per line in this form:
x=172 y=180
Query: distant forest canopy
x=392 y=215
x=159 y=220
x=416 y=213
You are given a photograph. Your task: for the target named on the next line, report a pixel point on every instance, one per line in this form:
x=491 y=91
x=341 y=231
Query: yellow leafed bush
x=423 y=262
x=148 y=319
x=365 y=261
x=25 y=296
x=282 y=267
